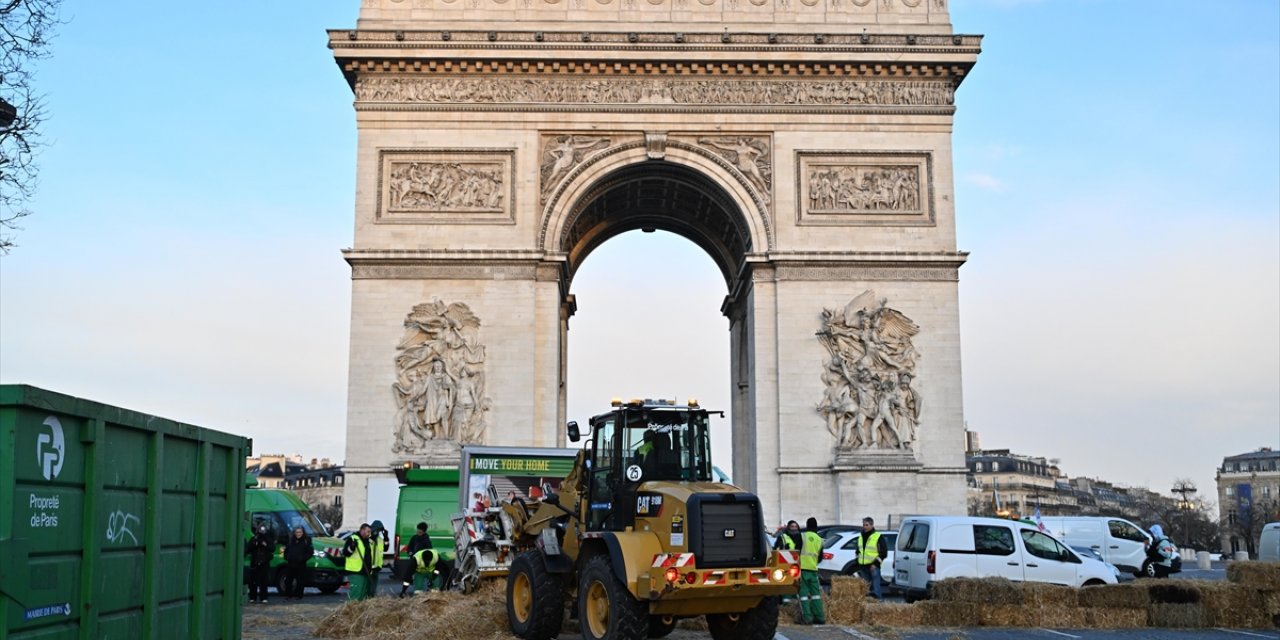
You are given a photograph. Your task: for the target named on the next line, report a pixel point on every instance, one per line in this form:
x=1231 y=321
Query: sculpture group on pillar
x=868 y=401
x=439 y=388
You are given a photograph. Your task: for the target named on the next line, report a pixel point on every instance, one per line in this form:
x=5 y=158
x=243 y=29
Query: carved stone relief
x=869 y=401
x=560 y=154
x=656 y=91
x=440 y=379
x=861 y=188
x=752 y=156
x=451 y=185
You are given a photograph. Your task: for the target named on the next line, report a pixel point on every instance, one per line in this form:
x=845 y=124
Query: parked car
x=934 y=548
x=840 y=556
x=1083 y=551
x=1118 y=541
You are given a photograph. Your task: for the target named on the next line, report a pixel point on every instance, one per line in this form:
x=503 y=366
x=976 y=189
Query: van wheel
x=849 y=569
x=757 y=623
x=1149 y=570
x=1093 y=583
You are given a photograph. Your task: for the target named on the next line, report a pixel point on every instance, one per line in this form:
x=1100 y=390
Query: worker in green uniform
x=359 y=564
x=810 y=588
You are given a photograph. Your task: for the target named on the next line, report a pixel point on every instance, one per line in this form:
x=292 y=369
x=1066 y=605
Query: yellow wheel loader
x=640 y=535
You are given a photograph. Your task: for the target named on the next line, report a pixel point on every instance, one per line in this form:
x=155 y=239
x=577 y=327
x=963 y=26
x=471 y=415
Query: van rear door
x=911 y=558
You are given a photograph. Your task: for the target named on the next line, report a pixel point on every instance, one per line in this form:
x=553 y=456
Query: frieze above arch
x=766 y=95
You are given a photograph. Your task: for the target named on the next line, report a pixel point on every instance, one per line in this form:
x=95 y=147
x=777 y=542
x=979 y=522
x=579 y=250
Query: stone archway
x=804 y=146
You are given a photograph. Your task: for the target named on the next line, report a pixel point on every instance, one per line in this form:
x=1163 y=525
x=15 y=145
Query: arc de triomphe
x=804 y=144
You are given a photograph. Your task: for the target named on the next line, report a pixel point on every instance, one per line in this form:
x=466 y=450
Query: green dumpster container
x=116 y=524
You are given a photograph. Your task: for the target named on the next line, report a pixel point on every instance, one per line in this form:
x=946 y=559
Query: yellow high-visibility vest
x=355 y=561
x=425 y=566
x=810 y=551
x=869 y=548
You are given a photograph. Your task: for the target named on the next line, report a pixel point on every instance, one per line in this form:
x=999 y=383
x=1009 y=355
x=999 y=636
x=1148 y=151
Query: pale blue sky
x=1118 y=185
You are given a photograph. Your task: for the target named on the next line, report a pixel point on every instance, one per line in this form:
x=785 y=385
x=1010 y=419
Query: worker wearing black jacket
x=296 y=554
x=260 y=548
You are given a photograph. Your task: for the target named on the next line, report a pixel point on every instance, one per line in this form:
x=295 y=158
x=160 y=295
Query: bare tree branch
x=25 y=29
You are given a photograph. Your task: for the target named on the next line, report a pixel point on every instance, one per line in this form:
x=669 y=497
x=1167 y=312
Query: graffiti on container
x=118 y=526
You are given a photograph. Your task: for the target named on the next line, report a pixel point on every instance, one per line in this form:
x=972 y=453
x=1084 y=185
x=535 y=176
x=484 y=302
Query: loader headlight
x=673 y=574
x=778 y=574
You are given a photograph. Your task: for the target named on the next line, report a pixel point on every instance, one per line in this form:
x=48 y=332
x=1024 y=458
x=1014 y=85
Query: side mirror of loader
x=574 y=434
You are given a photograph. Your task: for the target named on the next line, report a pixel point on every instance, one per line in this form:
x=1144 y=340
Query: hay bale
x=1114 y=596
x=1177 y=616
x=844 y=611
x=1113 y=618
x=1270 y=602
x=977 y=591
x=1005 y=615
x=482 y=614
x=1234 y=606
x=936 y=613
x=1066 y=617
x=1174 y=591
x=844 y=604
x=891 y=614
x=789 y=613
x=848 y=587
x=1041 y=594
x=1271 y=605
x=1259 y=575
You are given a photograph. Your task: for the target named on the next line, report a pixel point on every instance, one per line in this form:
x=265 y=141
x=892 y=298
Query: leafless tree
x=330 y=514
x=25 y=29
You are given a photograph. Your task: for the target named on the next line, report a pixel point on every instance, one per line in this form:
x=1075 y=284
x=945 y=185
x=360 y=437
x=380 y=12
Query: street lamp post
x=1185 y=488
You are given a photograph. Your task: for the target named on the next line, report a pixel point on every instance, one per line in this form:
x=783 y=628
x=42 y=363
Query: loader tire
x=757 y=623
x=606 y=608
x=535 y=598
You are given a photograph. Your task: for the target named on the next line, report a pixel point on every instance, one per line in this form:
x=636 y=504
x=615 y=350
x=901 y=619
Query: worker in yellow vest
x=359 y=564
x=381 y=541
x=872 y=551
x=789 y=539
x=810 y=588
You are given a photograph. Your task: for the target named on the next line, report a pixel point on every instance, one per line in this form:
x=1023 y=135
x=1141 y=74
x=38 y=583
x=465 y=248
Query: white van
x=940 y=547
x=1269 y=543
x=1118 y=541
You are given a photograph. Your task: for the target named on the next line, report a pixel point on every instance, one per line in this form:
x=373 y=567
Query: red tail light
x=691 y=577
x=795 y=571
x=827 y=556
x=932 y=566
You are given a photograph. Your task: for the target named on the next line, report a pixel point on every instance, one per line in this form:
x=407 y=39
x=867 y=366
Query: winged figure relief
x=869 y=401
x=440 y=378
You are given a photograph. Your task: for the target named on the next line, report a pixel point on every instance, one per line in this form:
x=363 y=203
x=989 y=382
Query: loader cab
x=640 y=442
